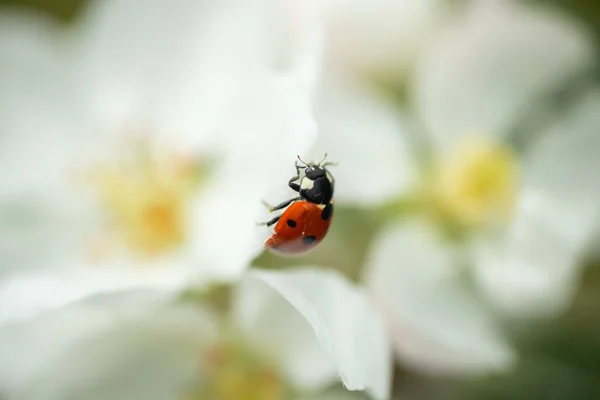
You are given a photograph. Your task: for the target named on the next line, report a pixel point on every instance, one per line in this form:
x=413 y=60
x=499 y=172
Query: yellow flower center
x=230 y=371
x=477 y=185
x=145 y=198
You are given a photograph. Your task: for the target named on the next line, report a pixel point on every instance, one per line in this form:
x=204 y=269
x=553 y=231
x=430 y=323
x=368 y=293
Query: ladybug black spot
x=291 y=223
x=309 y=239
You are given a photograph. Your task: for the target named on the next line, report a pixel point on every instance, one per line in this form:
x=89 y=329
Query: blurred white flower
x=338 y=312
x=141 y=142
x=381 y=39
x=371 y=44
x=109 y=346
x=493 y=189
x=148 y=344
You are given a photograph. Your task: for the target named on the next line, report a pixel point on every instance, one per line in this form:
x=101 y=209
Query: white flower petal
x=276 y=122
x=225 y=233
x=340 y=317
x=435 y=322
x=299 y=37
x=132 y=60
x=47 y=224
x=381 y=37
x=369 y=141
x=273 y=122
x=533 y=271
x=275 y=325
x=564 y=162
x=132 y=345
x=229 y=59
x=27 y=294
x=42 y=202
x=179 y=70
x=27 y=34
x=174 y=71
x=36 y=96
x=38 y=118
x=484 y=73
x=37 y=105
x=273 y=116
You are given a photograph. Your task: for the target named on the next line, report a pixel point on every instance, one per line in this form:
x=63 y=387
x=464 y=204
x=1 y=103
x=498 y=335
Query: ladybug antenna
x=302 y=161
x=324 y=158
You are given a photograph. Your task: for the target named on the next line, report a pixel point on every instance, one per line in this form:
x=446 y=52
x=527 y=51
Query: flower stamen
x=477 y=186
x=145 y=199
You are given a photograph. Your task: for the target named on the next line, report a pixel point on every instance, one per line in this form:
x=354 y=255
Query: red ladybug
x=304 y=224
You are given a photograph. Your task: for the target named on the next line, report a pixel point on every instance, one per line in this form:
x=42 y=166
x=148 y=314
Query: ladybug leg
x=271 y=221
x=284 y=204
x=291 y=183
x=299 y=167
x=267 y=205
x=295 y=187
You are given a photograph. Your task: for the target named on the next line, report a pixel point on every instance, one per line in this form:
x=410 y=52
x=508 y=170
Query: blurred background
x=382 y=76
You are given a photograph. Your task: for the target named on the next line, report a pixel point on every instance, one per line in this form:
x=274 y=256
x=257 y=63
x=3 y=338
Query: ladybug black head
x=317 y=184
x=314 y=171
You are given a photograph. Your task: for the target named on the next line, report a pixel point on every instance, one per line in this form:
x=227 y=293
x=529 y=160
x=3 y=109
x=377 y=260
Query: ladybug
x=307 y=218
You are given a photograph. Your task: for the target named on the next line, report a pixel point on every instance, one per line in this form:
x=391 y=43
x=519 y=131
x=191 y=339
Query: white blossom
x=149 y=344
x=154 y=134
